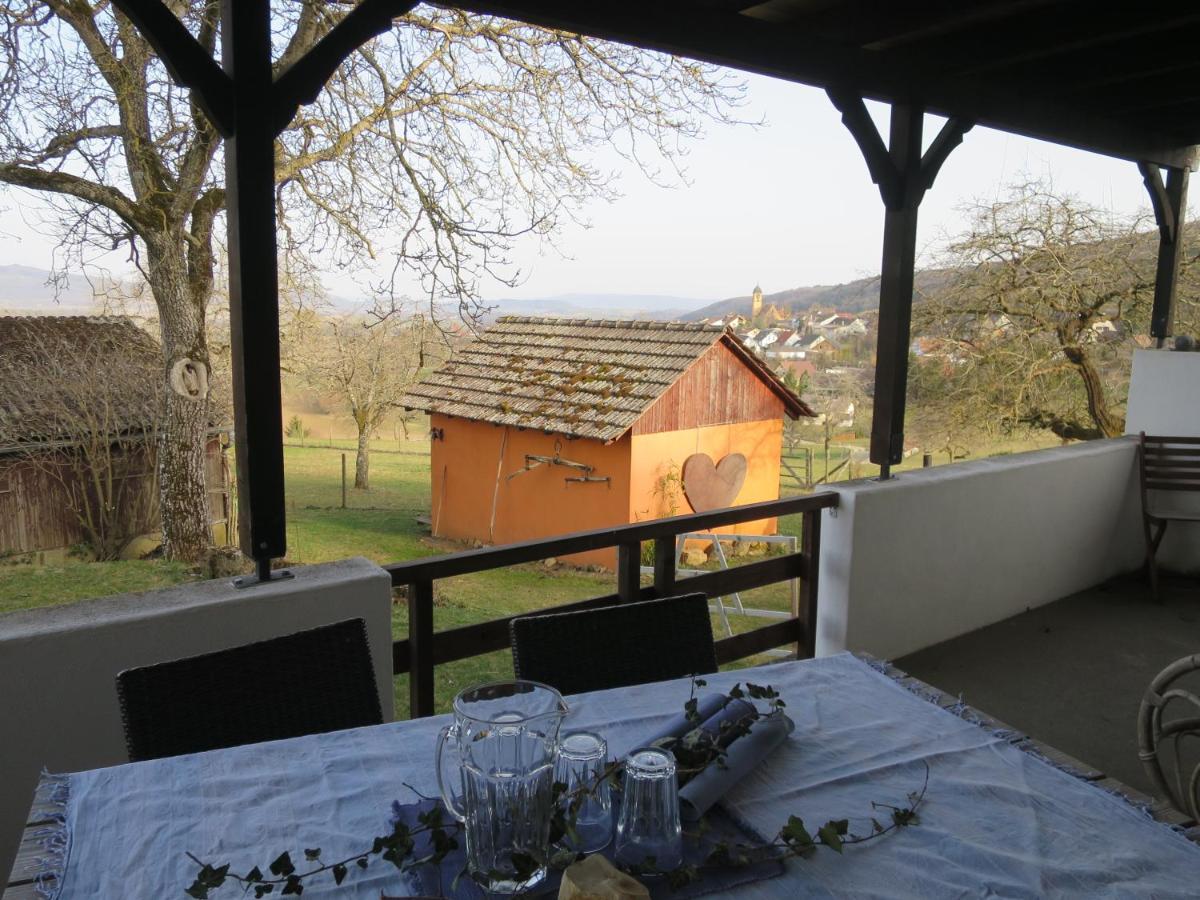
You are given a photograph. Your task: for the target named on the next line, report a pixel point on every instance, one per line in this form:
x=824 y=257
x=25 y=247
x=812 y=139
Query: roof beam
x=801 y=54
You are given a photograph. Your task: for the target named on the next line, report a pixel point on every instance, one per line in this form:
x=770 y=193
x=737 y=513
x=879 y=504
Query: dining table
x=1000 y=815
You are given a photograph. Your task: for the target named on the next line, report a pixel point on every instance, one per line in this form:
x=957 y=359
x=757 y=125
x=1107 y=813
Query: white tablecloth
x=997 y=822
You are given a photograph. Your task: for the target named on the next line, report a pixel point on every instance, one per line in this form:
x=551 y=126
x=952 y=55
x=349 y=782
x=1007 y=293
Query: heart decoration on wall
x=709 y=486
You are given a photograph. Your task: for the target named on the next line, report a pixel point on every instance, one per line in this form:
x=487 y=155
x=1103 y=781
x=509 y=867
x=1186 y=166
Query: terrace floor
x=1072 y=673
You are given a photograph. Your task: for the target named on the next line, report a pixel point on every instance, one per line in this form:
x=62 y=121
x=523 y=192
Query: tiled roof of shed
x=588 y=378
x=36 y=352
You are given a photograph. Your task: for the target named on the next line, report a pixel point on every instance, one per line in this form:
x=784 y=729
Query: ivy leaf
x=254 y=874
x=293 y=886
x=339 y=873
x=794 y=833
x=313 y=855
x=361 y=862
x=904 y=817
x=700 y=682
x=831 y=834
x=262 y=890
x=282 y=866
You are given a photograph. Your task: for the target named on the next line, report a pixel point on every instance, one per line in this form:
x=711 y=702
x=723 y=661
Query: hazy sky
x=786 y=204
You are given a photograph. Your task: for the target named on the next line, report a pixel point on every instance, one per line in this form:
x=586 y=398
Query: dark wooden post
x=253 y=282
x=903 y=174
x=806 y=605
x=664 y=566
x=895 y=290
x=1170 y=207
x=420 y=649
x=629 y=571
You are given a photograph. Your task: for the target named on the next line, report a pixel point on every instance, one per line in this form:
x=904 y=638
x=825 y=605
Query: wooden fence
x=425 y=648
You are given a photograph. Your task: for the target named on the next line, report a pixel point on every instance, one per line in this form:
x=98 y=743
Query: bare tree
x=1040 y=322
x=438 y=145
x=361 y=364
x=90 y=406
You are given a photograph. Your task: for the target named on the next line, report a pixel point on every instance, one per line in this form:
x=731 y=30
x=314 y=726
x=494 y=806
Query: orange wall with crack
x=479 y=492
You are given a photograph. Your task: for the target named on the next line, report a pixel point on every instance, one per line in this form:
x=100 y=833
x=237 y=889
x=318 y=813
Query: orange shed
x=544 y=426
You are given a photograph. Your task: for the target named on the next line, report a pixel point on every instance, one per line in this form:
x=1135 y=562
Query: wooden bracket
x=302 y=82
x=186 y=61
x=899 y=186
x=192 y=66
x=1166 y=203
x=1169 y=200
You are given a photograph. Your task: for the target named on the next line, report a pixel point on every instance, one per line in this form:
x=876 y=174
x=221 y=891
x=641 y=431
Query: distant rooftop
x=590 y=378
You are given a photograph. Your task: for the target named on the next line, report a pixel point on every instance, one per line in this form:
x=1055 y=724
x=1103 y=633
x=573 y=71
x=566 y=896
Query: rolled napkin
x=742 y=753
x=679 y=725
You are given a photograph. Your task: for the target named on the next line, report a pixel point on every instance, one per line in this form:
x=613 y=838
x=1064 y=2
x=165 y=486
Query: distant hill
x=852 y=296
x=24 y=289
x=583 y=305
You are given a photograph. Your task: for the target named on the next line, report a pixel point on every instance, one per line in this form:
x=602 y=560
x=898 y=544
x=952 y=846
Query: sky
x=783 y=205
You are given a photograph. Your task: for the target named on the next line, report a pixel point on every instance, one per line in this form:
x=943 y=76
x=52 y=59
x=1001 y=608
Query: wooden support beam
x=1169 y=201
x=253 y=279
x=903 y=175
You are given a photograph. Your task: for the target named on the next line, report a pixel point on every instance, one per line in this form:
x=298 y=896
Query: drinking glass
x=648 y=830
x=581 y=762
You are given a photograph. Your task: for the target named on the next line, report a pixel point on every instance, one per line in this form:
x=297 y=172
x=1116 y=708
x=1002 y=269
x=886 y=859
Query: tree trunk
x=183 y=429
x=362 y=460
x=1108 y=424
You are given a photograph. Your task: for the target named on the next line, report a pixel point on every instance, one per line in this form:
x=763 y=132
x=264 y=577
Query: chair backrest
x=1169 y=734
x=615 y=646
x=1169 y=463
x=304 y=683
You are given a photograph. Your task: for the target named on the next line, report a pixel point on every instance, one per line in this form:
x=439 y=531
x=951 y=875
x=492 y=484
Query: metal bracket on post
x=903 y=174
x=262 y=574
x=1170 y=205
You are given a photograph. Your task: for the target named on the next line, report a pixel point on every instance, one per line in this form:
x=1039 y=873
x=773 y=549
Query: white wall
x=936 y=553
x=1164 y=398
x=58 y=699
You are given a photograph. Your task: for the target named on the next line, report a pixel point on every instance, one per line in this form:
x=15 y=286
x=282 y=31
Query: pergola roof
x=1115 y=78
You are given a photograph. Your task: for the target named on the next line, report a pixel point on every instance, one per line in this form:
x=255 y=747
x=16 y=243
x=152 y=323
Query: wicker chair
x=1168 y=717
x=305 y=683
x=615 y=646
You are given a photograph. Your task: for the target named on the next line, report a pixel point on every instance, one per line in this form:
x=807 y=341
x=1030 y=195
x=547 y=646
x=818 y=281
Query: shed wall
x=656 y=455
x=470 y=466
x=717 y=389
x=36 y=515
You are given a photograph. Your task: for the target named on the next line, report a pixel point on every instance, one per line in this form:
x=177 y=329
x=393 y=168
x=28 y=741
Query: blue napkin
x=439 y=881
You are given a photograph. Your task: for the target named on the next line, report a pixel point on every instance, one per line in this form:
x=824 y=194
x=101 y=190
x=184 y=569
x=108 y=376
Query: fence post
x=807 y=599
x=343 y=481
x=664 y=566
x=420 y=649
x=629 y=571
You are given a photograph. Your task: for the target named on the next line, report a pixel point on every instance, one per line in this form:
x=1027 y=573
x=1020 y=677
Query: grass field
x=381 y=525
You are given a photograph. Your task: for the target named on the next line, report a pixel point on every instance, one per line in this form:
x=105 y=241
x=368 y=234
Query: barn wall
x=656 y=455
x=35 y=513
x=538 y=503
x=717 y=389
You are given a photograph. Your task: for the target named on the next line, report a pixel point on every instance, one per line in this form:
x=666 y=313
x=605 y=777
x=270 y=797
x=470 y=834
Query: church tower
x=756 y=300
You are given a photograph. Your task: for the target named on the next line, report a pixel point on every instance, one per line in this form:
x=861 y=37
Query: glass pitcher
x=505 y=738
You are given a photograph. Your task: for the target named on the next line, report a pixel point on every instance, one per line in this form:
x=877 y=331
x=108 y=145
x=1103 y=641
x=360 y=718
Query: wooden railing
x=425 y=648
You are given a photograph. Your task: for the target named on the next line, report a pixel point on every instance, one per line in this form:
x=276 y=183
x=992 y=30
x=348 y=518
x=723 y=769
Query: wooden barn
x=79 y=396
x=543 y=426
